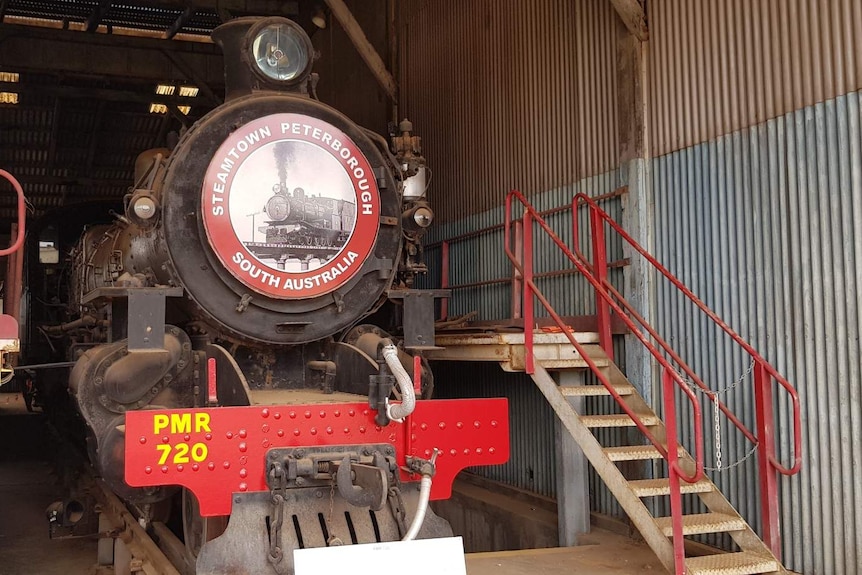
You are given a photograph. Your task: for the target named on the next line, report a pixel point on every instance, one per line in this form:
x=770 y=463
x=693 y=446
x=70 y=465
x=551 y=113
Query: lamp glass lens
x=279 y=52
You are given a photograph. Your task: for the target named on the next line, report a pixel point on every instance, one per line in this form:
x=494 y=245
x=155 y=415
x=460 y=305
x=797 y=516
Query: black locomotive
x=187 y=331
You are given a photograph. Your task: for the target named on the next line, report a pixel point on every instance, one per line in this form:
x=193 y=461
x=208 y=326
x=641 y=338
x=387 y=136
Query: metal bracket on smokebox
x=418 y=316
x=144 y=309
x=361 y=473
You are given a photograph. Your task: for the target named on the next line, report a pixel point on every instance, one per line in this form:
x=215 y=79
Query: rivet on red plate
x=277 y=415
x=243 y=486
x=453 y=452
x=166 y=439
x=208 y=436
x=264 y=412
x=180 y=468
x=329 y=431
x=442 y=425
x=351 y=413
x=243 y=447
x=292 y=415
x=280 y=433
x=226 y=464
x=478 y=451
x=195 y=466
x=336 y=413
x=322 y=414
x=186 y=437
x=377 y=427
x=466 y=452
x=148 y=469
x=476 y=424
x=492 y=450
x=264 y=428
x=459 y=425
x=243 y=433
x=264 y=443
x=313 y=431
x=493 y=423
x=361 y=429
x=296 y=432
x=423 y=427
x=143 y=439
x=229 y=435
x=243 y=473
x=211 y=466
x=307 y=415
x=346 y=431
x=164 y=469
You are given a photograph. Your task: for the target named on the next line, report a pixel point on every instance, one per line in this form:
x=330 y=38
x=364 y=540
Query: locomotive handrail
x=597 y=217
x=525 y=268
x=22 y=214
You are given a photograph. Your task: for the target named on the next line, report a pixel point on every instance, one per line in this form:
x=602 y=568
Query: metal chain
x=713 y=395
x=332 y=541
x=276 y=554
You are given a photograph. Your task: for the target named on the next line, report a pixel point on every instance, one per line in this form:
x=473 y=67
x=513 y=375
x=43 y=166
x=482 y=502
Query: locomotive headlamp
x=280 y=50
x=423 y=216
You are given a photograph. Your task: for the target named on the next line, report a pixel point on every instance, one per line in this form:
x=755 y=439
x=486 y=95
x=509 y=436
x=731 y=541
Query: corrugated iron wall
x=717 y=66
x=766 y=225
x=508 y=94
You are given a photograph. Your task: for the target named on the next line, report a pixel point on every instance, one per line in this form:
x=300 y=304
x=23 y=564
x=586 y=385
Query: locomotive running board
x=217 y=452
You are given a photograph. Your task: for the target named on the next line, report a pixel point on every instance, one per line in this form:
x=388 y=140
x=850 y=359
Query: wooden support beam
x=354 y=31
x=180 y=22
x=97 y=14
x=632 y=14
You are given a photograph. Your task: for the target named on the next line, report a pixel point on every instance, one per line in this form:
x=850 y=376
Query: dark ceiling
x=87 y=72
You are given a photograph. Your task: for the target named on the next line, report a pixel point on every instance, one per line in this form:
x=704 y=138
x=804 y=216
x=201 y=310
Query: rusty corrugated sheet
x=508 y=95
x=717 y=66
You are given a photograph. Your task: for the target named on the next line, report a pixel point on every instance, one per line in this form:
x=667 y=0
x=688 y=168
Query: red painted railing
x=764 y=373
x=524 y=265
x=607 y=299
x=22 y=214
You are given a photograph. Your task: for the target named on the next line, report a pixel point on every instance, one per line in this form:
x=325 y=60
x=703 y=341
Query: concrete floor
x=601 y=552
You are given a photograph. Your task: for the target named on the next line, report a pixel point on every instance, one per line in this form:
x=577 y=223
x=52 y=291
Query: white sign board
x=443 y=556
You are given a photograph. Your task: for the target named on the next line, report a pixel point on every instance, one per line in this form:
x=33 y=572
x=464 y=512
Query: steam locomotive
x=242 y=381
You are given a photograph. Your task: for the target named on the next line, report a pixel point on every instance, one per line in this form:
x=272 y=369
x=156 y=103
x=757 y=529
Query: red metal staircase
x=686 y=471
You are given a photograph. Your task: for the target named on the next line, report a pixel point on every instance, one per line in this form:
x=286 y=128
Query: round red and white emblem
x=290 y=206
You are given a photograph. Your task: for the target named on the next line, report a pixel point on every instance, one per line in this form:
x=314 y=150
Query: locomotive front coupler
x=362 y=473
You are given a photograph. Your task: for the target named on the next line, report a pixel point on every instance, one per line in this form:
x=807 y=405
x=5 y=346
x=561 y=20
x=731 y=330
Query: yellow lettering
x=166 y=450
x=182 y=454
x=199 y=452
x=181 y=423
x=202 y=422
x=159 y=423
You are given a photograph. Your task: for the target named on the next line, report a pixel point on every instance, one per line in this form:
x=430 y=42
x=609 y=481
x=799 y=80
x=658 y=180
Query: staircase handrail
x=525 y=269
x=758 y=359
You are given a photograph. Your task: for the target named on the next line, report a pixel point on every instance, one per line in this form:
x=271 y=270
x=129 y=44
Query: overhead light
x=184 y=109
x=319 y=18
x=188 y=91
x=165 y=90
x=8 y=98
x=8 y=76
x=158 y=109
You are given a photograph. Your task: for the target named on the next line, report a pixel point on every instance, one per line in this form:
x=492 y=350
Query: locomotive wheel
x=198 y=530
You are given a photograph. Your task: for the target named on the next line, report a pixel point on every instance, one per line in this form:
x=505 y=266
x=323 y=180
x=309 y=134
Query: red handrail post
x=528 y=291
x=444 y=279
x=600 y=269
x=673 y=471
x=517 y=280
x=765 y=448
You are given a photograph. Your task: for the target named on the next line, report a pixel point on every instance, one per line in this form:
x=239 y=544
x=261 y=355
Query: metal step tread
x=594 y=390
x=699 y=523
x=731 y=564
x=634 y=452
x=661 y=486
x=617 y=420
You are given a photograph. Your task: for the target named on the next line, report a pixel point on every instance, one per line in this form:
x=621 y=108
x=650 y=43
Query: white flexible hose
x=398 y=411
x=419 y=517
